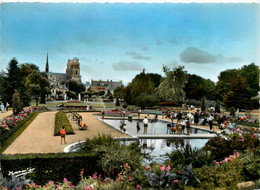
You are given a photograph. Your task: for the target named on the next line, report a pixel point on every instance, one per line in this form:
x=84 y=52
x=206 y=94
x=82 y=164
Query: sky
x=116 y=41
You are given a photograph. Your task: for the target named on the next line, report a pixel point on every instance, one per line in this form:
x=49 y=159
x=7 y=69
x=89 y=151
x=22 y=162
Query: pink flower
x=33 y=184
x=237 y=129
x=168 y=168
x=18 y=188
x=236 y=153
x=118 y=175
x=225 y=160
x=231 y=156
x=176 y=181
x=217 y=163
x=254 y=134
x=50 y=182
x=64 y=179
x=57 y=186
x=129 y=178
x=82 y=172
x=72 y=186
x=88 y=188
x=94 y=176
x=162 y=168
x=138 y=187
x=126 y=164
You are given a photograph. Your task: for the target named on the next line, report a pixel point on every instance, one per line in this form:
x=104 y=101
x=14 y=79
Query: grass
x=11 y=139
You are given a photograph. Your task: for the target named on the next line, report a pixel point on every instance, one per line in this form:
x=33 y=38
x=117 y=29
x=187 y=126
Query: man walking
x=145 y=121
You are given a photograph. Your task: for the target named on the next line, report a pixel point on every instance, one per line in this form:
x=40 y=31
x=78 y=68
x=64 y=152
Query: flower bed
x=61 y=120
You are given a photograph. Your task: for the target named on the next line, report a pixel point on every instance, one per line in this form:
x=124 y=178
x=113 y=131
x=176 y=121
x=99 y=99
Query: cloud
x=195 y=55
x=173 y=63
x=159 y=42
x=173 y=41
x=127 y=66
x=145 y=48
x=135 y=55
x=85 y=59
x=97 y=61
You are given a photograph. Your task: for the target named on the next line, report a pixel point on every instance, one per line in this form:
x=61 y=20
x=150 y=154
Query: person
x=63 y=135
x=137 y=127
x=2 y=108
x=210 y=120
x=168 y=128
x=139 y=112
x=178 y=128
x=196 y=118
x=122 y=126
x=7 y=105
x=145 y=121
x=183 y=125
x=188 y=126
x=179 y=116
x=103 y=114
x=173 y=129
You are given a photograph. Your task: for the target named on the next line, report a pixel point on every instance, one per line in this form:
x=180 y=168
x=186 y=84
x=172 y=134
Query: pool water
x=158 y=150
x=155 y=127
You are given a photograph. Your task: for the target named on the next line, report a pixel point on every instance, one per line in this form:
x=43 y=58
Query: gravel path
x=38 y=137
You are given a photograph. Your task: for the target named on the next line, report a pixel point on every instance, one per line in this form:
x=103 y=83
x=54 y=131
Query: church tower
x=73 y=70
x=47 y=65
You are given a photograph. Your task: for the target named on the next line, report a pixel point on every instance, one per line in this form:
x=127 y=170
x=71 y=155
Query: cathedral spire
x=47 y=65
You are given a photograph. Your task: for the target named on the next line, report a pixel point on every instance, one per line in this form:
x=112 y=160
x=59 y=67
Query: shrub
x=225 y=176
x=112 y=155
x=61 y=120
x=232 y=111
x=51 y=166
x=175 y=104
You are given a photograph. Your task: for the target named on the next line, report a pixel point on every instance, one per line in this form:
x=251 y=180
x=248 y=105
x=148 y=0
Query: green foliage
x=238 y=95
x=171 y=88
x=251 y=158
x=61 y=120
x=232 y=111
x=51 y=166
x=225 y=176
x=119 y=92
x=16 y=102
x=196 y=157
x=101 y=93
x=75 y=87
x=155 y=79
x=117 y=102
x=217 y=107
x=71 y=94
x=146 y=100
x=37 y=85
x=197 y=87
x=203 y=104
x=140 y=84
x=125 y=105
x=112 y=155
x=221 y=148
x=9 y=136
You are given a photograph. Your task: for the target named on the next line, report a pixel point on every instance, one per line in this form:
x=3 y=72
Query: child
x=63 y=135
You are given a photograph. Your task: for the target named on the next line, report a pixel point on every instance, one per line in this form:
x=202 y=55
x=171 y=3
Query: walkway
x=38 y=136
x=5 y=114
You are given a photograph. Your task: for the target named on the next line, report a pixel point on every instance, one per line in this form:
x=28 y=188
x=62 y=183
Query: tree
x=203 y=104
x=251 y=75
x=108 y=93
x=119 y=92
x=75 y=87
x=147 y=100
x=171 y=88
x=217 y=107
x=140 y=84
x=127 y=95
x=16 y=102
x=12 y=80
x=117 y=102
x=37 y=86
x=155 y=79
x=238 y=95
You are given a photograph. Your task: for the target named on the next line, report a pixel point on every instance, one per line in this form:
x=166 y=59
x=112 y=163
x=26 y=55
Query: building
x=58 y=80
x=99 y=85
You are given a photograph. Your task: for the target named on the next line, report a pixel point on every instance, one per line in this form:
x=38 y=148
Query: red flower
x=147 y=168
x=37 y=186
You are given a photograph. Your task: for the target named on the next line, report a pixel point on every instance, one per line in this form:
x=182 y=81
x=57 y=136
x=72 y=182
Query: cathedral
x=58 y=80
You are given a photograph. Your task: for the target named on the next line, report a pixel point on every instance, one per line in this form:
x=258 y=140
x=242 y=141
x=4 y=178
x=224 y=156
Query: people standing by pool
x=145 y=121
x=137 y=127
x=173 y=129
x=168 y=128
x=179 y=116
x=103 y=114
x=196 y=118
x=178 y=128
x=62 y=135
x=139 y=113
x=188 y=126
x=183 y=124
x=210 y=120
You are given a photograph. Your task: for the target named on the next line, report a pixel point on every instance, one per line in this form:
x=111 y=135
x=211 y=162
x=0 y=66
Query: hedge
x=53 y=166
x=61 y=120
x=9 y=136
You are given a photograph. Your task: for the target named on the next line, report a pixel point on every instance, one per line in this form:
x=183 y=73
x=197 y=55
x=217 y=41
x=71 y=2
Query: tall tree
x=140 y=84
x=37 y=86
x=75 y=87
x=119 y=92
x=238 y=95
x=12 y=80
x=16 y=102
x=155 y=79
x=251 y=75
x=171 y=88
